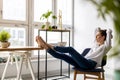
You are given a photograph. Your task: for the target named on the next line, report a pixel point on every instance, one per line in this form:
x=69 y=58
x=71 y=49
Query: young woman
x=91 y=60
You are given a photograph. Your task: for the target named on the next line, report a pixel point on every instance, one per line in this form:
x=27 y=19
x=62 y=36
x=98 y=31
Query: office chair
x=94 y=74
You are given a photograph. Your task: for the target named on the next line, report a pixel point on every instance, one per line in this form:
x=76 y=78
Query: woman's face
x=99 y=38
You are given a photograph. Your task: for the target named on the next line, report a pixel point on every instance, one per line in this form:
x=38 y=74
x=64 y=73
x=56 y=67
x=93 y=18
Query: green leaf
x=4 y=36
x=50 y=28
x=43 y=26
x=46 y=15
x=54 y=17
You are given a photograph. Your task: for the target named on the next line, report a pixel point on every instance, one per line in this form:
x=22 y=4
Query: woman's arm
x=108 y=38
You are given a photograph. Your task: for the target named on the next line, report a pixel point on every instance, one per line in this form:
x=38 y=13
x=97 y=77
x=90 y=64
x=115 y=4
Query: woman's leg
x=77 y=58
x=74 y=54
x=65 y=57
x=54 y=53
x=62 y=49
x=41 y=43
x=80 y=60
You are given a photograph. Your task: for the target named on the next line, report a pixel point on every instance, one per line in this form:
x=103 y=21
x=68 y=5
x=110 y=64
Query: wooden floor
x=109 y=73
x=79 y=77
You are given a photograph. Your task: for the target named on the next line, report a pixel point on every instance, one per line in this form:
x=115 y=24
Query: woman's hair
x=103 y=33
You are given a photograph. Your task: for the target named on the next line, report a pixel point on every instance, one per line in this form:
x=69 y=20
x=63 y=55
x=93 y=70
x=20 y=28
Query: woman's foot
x=39 y=42
x=42 y=43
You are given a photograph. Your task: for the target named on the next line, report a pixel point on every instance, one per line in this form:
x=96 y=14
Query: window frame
x=29 y=24
x=14 y=21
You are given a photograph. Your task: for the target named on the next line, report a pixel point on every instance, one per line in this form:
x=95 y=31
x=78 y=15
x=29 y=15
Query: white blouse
x=97 y=52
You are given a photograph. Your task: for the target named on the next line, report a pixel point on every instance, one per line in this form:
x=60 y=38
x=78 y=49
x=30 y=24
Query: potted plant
x=46 y=16
x=4 y=37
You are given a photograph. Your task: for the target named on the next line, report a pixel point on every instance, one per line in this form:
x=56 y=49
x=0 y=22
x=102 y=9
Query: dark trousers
x=71 y=56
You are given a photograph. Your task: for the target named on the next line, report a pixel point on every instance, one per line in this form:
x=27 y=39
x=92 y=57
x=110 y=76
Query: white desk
x=20 y=48
x=23 y=52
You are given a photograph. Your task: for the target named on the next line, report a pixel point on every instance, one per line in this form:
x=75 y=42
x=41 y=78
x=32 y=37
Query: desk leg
x=31 y=69
x=17 y=65
x=4 y=72
x=16 y=61
x=20 y=68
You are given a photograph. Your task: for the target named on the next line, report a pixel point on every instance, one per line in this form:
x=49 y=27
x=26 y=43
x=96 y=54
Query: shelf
x=55 y=30
x=63 y=44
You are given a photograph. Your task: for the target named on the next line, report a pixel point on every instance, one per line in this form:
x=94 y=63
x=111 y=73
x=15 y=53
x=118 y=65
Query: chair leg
x=75 y=74
x=84 y=76
x=99 y=77
x=103 y=77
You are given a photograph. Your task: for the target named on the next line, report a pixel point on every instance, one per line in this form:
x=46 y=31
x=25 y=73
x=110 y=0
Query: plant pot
x=47 y=24
x=54 y=27
x=4 y=44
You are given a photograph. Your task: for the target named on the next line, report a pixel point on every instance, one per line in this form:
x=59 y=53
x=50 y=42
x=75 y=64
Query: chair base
x=89 y=75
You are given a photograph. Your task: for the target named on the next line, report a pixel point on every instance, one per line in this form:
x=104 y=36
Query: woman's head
x=101 y=36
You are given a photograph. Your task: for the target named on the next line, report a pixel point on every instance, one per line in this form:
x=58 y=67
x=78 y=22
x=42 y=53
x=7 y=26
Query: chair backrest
x=104 y=60
x=85 y=51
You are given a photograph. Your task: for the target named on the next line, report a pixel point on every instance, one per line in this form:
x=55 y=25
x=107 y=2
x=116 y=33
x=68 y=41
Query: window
x=40 y=7
x=14 y=10
x=22 y=18
x=66 y=7
x=13 y=19
x=17 y=35
x=15 y=40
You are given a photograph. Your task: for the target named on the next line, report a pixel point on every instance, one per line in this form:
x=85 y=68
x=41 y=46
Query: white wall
x=85 y=22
